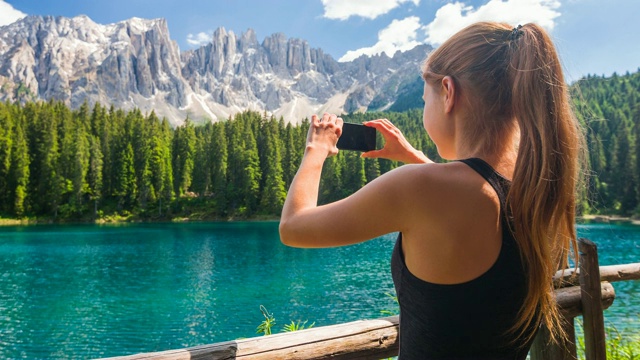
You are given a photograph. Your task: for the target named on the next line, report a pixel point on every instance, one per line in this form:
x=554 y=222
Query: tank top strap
x=498 y=182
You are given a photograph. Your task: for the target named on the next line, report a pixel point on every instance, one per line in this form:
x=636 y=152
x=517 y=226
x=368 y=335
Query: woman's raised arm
x=370 y=212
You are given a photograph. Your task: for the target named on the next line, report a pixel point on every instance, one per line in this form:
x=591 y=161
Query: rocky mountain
x=135 y=63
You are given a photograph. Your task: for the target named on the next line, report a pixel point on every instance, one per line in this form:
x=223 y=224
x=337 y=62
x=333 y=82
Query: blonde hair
x=513 y=79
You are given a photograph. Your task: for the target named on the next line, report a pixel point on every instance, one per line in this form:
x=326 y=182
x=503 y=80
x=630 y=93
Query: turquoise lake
x=88 y=291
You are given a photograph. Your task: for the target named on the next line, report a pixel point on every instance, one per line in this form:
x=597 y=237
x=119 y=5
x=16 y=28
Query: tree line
x=63 y=164
x=95 y=162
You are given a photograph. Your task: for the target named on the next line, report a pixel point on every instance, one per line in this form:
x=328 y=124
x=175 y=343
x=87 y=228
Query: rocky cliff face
x=134 y=63
x=74 y=60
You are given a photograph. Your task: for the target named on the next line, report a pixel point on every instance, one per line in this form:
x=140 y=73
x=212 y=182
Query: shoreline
x=129 y=220
x=606 y=219
x=589 y=218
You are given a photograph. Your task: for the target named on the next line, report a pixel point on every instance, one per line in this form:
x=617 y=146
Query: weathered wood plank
x=365 y=339
x=595 y=346
x=610 y=273
x=570 y=299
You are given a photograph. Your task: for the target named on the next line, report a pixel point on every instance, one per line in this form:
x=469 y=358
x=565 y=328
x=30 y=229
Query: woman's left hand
x=324 y=133
x=396 y=146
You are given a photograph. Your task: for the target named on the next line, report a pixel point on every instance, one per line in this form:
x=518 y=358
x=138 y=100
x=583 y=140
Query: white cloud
x=407 y=33
x=8 y=14
x=399 y=35
x=370 y=9
x=454 y=16
x=199 y=39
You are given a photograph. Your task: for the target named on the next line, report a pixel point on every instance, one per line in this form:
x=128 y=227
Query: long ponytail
x=542 y=199
x=513 y=77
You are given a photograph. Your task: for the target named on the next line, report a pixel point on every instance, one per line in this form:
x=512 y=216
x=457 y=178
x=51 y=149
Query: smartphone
x=357 y=137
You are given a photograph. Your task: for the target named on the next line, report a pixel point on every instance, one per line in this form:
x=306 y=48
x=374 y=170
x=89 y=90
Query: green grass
x=620 y=345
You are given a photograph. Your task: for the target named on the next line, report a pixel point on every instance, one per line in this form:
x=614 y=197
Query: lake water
x=86 y=291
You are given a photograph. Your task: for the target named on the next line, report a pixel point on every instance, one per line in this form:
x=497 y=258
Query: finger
x=392 y=129
x=384 y=127
x=372 y=122
x=339 y=124
x=388 y=124
x=333 y=119
x=315 y=120
x=372 y=154
x=383 y=123
x=326 y=117
x=376 y=124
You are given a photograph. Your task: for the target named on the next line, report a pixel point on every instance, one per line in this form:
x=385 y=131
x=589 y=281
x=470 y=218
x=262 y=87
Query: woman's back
x=467 y=319
x=452 y=232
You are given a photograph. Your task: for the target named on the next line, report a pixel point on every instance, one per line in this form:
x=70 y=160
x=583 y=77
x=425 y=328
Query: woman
x=479 y=238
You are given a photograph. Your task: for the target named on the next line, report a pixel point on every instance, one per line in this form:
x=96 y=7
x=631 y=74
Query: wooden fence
x=585 y=292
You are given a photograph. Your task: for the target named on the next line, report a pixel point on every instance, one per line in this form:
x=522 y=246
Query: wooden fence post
x=543 y=349
x=593 y=318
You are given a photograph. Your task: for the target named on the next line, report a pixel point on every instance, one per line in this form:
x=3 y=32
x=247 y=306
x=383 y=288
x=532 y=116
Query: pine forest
x=101 y=163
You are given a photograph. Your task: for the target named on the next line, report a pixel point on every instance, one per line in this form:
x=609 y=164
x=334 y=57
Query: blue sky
x=593 y=36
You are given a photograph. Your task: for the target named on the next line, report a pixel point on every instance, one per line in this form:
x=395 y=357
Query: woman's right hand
x=324 y=133
x=396 y=147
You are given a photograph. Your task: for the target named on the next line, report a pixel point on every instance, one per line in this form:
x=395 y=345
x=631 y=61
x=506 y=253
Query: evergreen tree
x=202 y=167
x=371 y=169
x=141 y=142
x=6 y=145
x=331 y=188
x=95 y=172
x=167 y=138
x=125 y=177
x=292 y=155
x=19 y=176
x=250 y=175
x=353 y=174
x=45 y=179
x=234 y=191
x=273 y=193
x=624 y=174
x=184 y=143
x=219 y=159
x=66 y=159
x=636 y=122
x=98 y=120
x=79 y=161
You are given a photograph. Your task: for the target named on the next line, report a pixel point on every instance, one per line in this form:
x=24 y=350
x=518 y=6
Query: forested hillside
x=99 y=162
x=610 y=109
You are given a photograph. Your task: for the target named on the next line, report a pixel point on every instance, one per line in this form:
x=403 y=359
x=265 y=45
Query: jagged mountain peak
x=142 y=23
x=134 y=63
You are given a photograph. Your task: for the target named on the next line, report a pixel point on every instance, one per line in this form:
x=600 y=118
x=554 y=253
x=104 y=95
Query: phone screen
x=357 y=137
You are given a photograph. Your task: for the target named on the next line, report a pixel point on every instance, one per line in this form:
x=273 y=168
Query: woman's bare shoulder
x=437 y=190
x=440 y=177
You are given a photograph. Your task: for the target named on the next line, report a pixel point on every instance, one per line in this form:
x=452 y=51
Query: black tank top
x=468 y=320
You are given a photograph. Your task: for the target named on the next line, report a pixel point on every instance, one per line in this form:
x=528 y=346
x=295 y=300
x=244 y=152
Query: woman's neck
x=501 y=156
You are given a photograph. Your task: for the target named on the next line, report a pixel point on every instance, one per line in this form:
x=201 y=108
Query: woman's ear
x=449 y=92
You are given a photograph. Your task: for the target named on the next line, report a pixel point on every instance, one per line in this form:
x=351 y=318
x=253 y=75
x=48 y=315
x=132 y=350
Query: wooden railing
x=592 y=294
x=585 y=292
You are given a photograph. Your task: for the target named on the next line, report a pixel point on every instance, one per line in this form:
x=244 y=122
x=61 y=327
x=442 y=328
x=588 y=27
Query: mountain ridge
x=135 y=63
